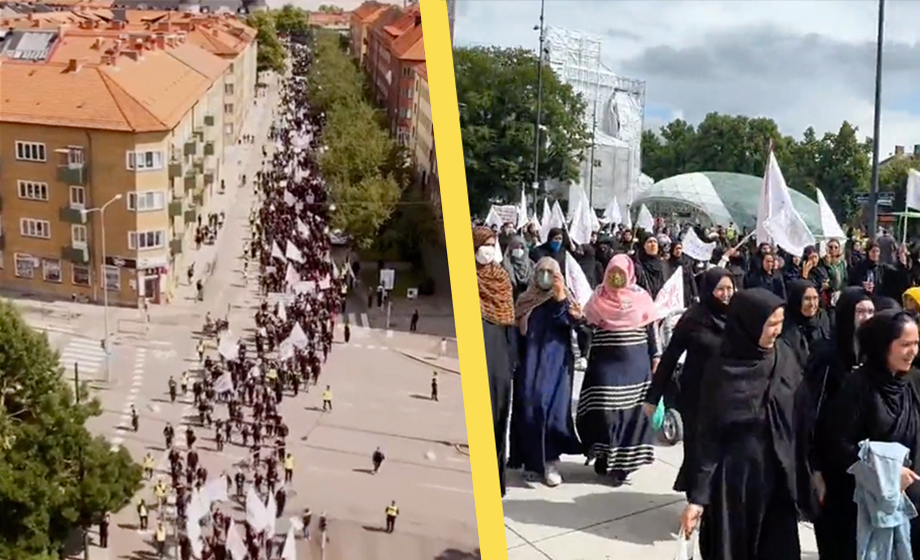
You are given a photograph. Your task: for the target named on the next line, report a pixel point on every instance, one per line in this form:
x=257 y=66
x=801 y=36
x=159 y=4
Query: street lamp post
x=877 y=122
x=536 y=141
x=105 y=288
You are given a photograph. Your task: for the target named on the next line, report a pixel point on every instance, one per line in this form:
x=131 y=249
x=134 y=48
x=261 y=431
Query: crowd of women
x=301 y=295
x=793 y=375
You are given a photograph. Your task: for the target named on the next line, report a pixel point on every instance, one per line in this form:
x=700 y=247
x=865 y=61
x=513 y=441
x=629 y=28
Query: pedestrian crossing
x=86 y=353
x=352 y=319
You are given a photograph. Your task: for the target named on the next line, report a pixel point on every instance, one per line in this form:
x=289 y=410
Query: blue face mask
x=555 y=245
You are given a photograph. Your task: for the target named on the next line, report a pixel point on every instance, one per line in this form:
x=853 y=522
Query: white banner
x=695 y=248
x=671 y=297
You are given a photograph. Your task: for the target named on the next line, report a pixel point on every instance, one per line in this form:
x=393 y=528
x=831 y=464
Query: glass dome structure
x=716 y=197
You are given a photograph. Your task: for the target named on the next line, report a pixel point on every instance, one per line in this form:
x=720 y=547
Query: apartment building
x=339 y=23
x=222 y=35
x=359 y=21
x=395 y=49
x=96 y=117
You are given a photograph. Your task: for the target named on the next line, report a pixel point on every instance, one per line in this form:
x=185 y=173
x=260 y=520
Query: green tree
x=498 y=123
x=54 y=475
x=327 y=9
x=291 y=21
x=361 y=163
x=270 y=55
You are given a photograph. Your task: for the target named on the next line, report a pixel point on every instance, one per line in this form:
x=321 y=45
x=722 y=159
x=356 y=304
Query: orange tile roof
x=410 y=45
x=369 y=10
x=84 y=84
x=323 y=19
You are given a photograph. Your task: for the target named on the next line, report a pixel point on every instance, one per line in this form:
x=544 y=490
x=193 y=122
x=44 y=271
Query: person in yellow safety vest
x=272 y=374
x=288 y=468
x=160 y=491
x=142 y=514
x=392 y=514
x=148 y=466
x=327 y=399
x=161 y=539
x=201 y=350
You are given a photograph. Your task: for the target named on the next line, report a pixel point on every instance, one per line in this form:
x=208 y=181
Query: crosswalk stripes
x=84 y=352
x=352 y=319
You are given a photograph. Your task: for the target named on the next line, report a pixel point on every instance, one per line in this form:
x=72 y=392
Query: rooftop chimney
x=899 y=150
x=74 y=65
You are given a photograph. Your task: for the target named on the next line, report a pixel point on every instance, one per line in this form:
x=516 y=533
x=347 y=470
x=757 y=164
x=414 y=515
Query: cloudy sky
x=800 y=62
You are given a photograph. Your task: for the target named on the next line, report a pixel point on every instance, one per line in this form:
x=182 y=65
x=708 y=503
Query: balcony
x=190 y=148
x=175 y=246
x=209 y=148
x=175 y=208
x=191 y=182
x=191 y=215
x=198 y=198
x=198 y=165
x=175 y=169
x=76 y=255
x=73 y=215
x=72 y=173
x=209 y=120
x=208 y=178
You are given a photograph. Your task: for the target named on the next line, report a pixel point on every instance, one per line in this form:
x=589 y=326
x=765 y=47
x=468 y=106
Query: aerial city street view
x=255 y=321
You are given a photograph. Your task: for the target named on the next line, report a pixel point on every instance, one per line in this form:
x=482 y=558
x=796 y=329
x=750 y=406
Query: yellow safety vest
x=161 y=534
x=289 y=463
x=148 y=462
x=142 y=510
x=327 y=395
x=392 y=511
x=272 y=374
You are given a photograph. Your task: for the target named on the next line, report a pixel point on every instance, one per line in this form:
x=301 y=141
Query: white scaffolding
x=615 y=111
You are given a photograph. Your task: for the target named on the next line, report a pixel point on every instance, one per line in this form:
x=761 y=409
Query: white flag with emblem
x=671 y=297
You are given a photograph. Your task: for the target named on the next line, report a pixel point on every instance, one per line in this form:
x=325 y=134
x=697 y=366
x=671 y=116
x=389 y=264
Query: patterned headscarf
x=496 y=295
x=535 y=296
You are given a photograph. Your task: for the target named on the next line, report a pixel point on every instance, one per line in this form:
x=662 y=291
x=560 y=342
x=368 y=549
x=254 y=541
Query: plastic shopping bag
x=658 y=417
x=685 y=545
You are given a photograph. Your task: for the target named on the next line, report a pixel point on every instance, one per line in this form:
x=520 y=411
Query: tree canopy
x=498 y=123
x=291 y=21
x=54 y=475
x=271 y=52
x=837 y=163
x=361 y=163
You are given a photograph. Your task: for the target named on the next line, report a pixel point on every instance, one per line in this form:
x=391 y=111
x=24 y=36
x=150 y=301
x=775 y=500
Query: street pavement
x=587 y=519
x=381 y=383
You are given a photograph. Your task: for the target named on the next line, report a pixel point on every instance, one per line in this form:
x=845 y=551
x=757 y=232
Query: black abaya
x=500 y=352
x=745 y=478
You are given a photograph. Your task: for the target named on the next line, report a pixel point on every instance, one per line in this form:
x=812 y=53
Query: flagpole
x=877 y=120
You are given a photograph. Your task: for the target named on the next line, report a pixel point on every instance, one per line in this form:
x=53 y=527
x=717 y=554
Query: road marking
x=389 y=333
x=448 y=488
x=365 y=322
x=351 y=319
x=135 y=390
x=86 y=354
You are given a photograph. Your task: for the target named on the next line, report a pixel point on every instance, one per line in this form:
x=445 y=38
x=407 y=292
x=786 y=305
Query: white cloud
x=801 y=62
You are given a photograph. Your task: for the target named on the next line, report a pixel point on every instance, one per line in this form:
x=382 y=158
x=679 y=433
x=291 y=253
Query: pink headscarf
x=619 y=304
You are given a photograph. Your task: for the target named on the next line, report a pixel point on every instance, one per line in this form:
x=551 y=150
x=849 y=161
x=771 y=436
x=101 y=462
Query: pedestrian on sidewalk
x=199 y=288
x=142 y=514
x=434 y=386
x=413 y=322
x=347 y=332
x=104 y=530
x=327 y=399
x=161 y=539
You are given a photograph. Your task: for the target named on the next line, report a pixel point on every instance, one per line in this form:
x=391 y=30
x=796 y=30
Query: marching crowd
x=241 y=386
x=793 y=375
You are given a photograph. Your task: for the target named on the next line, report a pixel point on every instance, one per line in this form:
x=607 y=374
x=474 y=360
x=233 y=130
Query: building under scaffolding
x=615 y=112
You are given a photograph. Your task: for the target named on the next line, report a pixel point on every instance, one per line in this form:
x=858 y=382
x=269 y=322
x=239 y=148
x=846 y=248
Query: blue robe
x=542 y=426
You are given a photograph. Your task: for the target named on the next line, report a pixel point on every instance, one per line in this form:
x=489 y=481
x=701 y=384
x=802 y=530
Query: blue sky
x=801 y=62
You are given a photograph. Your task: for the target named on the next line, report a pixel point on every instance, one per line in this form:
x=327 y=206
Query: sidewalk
x=241 y=159
x=451 y=365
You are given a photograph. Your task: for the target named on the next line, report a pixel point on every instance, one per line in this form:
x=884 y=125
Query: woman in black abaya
x=806 y=323
x=651 y=271
x=745 y=476
x=880 y=401
x=699 y=334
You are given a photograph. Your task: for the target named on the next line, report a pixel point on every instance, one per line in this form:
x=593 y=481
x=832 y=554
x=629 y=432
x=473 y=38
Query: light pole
x=105 y=288
x=877 y=122
x=536 y=141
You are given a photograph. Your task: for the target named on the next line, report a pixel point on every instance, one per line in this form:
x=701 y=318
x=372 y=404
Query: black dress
x=699 y=334
x=745 y=477
x=500 y=351
x=800 y=333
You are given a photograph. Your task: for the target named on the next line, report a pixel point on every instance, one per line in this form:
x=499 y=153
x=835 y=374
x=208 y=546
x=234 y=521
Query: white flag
x=522 y=210
x=293 y=253
x=695 y=248
x=613 y=215
x=493 y=219
x=289 y=552
x=645 y=220
x=276 y=251
x=671 y=296
x=271 y=512
x=235 y=544
x=303 y=229
x=297 y=337
x=291 y=277
x=228 y=347
x=912 y=199
x=224 y=383
x=282 y=312
x=255 y=510
x=193 y=532
x=289 y=198
x=782 y=224
x=830 y=227
x=576 y=281
x=215 y=491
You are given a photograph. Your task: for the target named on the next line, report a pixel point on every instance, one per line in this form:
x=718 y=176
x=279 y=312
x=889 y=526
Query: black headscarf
x=653 y=264
x=885 y=303
x=875 y=338
x=746 y=316
x=708 y=282
x=845 y=325
x=802 y=332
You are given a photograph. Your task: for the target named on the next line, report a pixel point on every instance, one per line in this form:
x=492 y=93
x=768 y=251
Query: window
x=228 y=129
x=51 y=270
x=75 y=156
x=228 y=108
x=146 y=201
x=77 y=197
x=78 y=235
x=409 y=93
x=113 y=278
x=228 y=89
x=30 y=151
x=35 y=228
x=31 y=190
x=145 y=161
x=80 y=276
x=232 y=66
x=145 y=240
x=25 y=265
x=407 y=72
